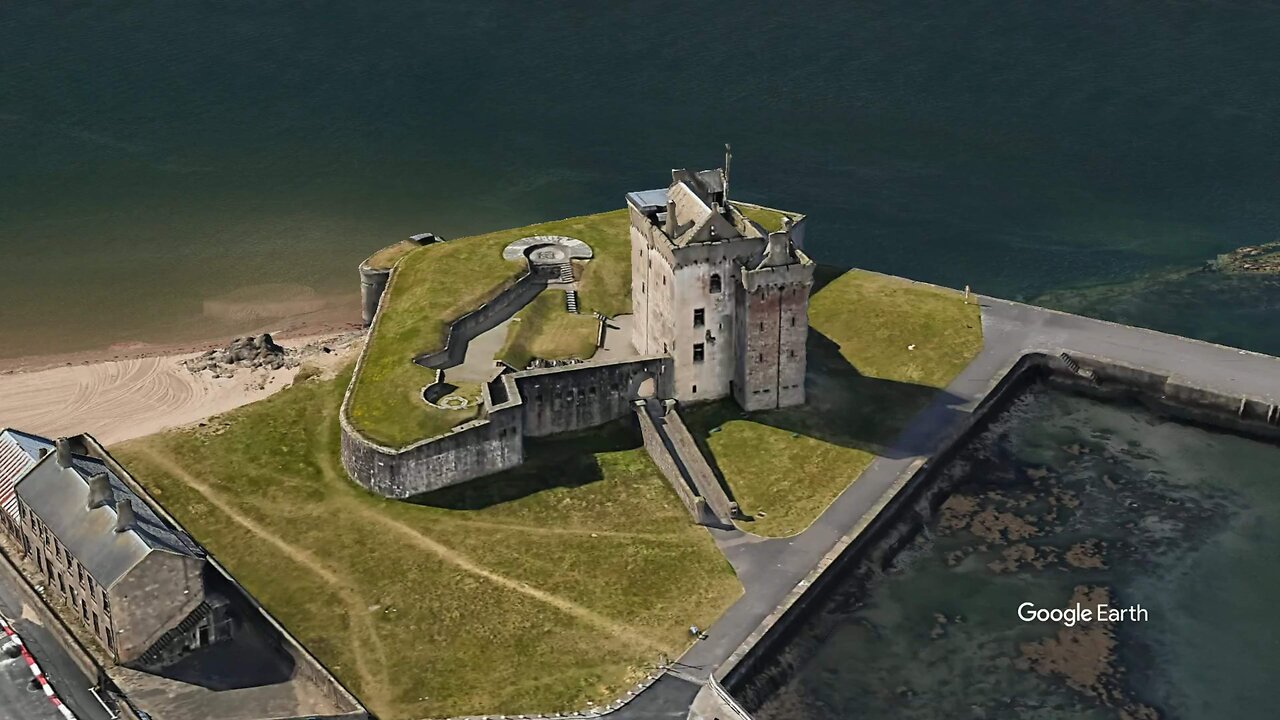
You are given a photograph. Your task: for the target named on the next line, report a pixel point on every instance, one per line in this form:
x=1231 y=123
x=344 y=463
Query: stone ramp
x=674 y=451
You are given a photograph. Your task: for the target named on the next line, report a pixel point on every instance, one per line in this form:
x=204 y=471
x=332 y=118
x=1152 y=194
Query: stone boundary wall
x=306 y=664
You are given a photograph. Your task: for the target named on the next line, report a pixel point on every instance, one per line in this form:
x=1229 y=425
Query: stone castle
x=727 y=300
x=719 y=309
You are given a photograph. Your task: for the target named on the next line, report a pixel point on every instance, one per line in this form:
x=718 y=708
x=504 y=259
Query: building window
x=792 y=353
x=715 y=284
x=695 y=389
x=699 y=351
x=762 y=326
x=106 y=605
x=664 y=280
x=793 y=321
x=760 y=357
x=699 y=317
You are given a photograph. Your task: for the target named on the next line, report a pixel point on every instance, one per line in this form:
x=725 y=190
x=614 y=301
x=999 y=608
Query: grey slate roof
x=59 y=497
x=30 y=444
x=648 y=198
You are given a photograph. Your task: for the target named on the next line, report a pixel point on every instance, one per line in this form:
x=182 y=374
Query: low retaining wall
x=486 y=317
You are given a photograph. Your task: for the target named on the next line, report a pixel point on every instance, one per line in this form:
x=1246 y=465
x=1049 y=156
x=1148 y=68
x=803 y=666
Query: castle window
x=715 y=284
x=793 y=321
x=699 y=352
x=695 y=389
x=762 y=327
x=699 y=317
x=760 y=357
x=792 y=353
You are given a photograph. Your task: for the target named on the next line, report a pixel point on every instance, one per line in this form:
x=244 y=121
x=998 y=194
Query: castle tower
x=725 y=299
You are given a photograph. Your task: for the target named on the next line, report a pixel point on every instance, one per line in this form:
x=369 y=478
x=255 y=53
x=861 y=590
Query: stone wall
x=486 y=317
x=373 y=282
x=471 y=450
x=532 y=402
x=576 y=397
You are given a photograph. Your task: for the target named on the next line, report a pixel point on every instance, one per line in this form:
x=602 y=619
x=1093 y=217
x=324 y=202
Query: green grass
x=544 y=329
x=385 y=258
x=434 y=285
x=864 y=384
x=770 y=220
x=535 y=590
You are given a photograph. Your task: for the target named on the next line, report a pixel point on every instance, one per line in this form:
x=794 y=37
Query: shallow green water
x=1183 y=521
x=156 y=155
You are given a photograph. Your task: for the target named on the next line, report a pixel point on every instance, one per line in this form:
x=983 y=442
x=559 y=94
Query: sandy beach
x=116 y=400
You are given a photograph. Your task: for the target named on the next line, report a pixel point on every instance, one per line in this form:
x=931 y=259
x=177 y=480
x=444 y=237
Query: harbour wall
x=755 y=670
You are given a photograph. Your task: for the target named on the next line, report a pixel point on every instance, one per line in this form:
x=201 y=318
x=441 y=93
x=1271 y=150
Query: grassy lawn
x=863 y=386
x=385 y=258
x=770 y=220
x=436 y=284
x=545 y=329
x=535 y=590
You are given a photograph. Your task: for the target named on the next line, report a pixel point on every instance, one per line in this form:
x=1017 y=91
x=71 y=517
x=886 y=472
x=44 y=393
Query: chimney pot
x=125 y=518
x=99 y=491
x=63 y=447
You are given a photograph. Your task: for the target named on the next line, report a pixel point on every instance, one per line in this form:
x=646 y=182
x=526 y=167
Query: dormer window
x=715 y=284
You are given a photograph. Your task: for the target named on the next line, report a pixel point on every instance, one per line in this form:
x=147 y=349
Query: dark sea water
x=1176 y=519
x=157 y=155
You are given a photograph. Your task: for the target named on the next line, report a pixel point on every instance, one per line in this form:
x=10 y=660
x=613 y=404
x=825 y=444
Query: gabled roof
x=59 y=497
x=19 y=452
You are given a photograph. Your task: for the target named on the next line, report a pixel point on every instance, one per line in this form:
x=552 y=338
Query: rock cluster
x=254 y=351
x=1263 y=259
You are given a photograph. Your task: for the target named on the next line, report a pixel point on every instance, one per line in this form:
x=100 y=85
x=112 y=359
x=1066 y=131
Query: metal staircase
x=157 y=649
x=571 y=301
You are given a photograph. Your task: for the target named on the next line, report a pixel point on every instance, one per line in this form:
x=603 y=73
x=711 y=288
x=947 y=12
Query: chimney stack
x=63 y=446
x=99 y=491
x=671 y=220
x=125 y=518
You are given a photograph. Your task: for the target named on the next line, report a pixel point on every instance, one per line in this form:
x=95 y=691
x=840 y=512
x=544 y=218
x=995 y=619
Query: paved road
x=770 y=568
x=19 y=700
x=68 y=681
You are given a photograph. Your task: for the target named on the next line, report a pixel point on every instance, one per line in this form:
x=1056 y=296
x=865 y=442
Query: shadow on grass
x=563 y=461
x=842 y=407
